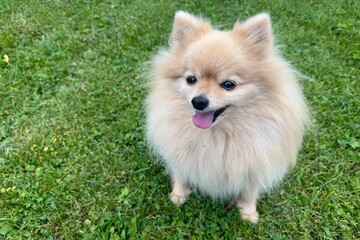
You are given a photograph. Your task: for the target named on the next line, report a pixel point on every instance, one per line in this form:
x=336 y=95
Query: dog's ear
x=256 y=32
x=187 y=28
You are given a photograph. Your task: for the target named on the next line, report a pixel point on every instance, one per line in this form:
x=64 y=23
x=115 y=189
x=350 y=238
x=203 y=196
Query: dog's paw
x=252 y=217
x=176 y=199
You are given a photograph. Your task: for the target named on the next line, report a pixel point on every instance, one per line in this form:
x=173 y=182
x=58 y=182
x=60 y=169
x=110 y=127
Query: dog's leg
x=247 y=206
x=180 y=191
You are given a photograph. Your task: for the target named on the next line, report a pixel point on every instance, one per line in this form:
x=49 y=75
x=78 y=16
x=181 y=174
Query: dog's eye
x=228 y=85
x=191 y=80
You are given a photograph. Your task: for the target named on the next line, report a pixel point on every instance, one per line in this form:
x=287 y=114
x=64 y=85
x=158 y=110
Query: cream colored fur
x=254 y=143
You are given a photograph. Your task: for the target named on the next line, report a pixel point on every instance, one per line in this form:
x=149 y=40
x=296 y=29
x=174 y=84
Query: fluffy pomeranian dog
x=225 y=112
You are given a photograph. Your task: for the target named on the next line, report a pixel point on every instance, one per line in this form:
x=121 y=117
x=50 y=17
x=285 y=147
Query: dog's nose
x=200 y=102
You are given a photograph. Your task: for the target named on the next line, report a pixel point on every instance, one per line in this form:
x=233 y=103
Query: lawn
x=73 y=160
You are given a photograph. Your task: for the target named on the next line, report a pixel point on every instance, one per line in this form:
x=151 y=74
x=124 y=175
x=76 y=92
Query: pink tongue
x=203 y=120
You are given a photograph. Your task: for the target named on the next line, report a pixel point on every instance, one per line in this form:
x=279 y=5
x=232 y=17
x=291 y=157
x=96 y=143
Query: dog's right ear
x=187 y=28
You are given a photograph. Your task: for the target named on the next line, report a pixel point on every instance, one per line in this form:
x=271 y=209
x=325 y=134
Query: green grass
x=73 y=160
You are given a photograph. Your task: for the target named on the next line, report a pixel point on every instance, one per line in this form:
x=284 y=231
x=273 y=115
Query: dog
x=225 y=112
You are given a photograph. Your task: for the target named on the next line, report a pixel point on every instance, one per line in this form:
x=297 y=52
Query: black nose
x=200 y=102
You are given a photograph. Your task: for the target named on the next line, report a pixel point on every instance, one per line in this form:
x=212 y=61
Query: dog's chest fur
x=212 y=160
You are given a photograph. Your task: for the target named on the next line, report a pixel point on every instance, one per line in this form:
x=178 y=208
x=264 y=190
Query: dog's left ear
x=256 y=32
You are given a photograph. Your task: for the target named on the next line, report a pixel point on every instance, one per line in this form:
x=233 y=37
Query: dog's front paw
x=177 y=199
x=252 y=217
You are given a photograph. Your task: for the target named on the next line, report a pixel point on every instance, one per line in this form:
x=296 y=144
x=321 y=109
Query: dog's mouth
x=206 y=119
